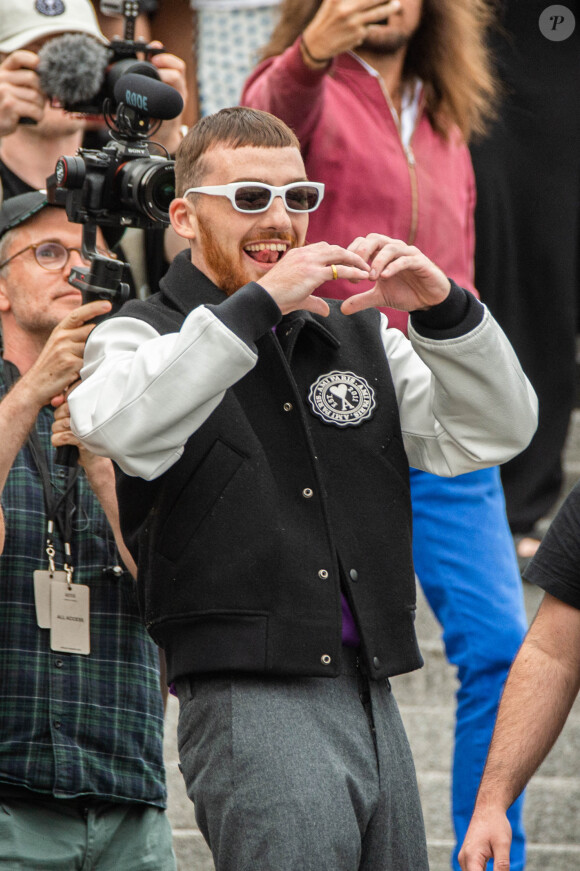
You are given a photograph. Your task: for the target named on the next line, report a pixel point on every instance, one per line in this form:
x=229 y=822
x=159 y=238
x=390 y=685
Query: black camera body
x=120 y=185
x=128 y=182
x=123 y=184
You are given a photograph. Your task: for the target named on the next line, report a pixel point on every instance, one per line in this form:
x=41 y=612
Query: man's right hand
x=341 y=25
x=60 y=361
x=20 y=93
x=302 y=270
x=489 y=836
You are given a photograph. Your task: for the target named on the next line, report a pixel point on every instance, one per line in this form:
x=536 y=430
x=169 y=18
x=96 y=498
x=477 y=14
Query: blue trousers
x=466 y=564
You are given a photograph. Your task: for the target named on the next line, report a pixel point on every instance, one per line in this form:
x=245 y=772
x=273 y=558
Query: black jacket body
x=244 y=544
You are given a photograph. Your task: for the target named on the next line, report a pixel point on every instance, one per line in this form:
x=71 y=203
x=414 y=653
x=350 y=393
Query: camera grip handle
x=67 y=455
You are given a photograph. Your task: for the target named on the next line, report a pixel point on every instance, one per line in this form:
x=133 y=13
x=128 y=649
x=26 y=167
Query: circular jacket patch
x=49 y=7
x=342 y=399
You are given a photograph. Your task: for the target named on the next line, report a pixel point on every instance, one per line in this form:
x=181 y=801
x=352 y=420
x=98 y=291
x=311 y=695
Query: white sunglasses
x=248 y=196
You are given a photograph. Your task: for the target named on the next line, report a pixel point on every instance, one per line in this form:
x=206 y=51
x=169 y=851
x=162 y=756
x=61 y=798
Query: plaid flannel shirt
x=70 y=724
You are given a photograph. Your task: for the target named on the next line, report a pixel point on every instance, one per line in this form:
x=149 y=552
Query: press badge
x=69 y=611
x=42 y=582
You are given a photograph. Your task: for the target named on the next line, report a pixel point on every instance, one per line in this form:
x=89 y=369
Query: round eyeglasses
x=257 y=196
x=53 y=255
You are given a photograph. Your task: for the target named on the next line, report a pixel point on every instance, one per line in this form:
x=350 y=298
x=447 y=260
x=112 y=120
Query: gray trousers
x=300 y=774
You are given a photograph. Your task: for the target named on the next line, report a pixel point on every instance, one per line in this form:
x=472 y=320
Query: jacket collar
x=291 y=326
x=185 y=287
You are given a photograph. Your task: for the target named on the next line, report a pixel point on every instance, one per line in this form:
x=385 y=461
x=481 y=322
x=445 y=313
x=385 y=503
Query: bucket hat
x=25 y=21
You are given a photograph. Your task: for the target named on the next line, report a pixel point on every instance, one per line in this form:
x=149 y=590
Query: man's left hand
x=406 y=278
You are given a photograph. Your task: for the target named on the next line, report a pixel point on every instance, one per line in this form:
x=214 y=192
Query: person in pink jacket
x=383 y=98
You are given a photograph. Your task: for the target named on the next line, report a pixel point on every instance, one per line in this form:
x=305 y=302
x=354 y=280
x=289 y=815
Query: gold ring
x=334 y=272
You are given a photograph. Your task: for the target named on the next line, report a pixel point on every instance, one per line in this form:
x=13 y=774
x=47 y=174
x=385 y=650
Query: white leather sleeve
x=464 y=402
x=142 y=395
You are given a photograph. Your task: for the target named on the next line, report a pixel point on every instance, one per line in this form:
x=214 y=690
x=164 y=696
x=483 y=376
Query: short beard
x=229 y=276
x=391 y=44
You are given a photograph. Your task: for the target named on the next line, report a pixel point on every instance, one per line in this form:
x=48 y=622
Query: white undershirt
x=410 y=99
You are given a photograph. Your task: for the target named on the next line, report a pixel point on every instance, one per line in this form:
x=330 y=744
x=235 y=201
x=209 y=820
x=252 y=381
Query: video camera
x=122 y=184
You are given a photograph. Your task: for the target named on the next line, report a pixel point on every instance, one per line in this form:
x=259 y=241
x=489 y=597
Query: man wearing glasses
x=81 y=765
x=263 y=437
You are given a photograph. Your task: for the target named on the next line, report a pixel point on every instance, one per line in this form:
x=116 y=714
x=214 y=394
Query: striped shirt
x=74 y=725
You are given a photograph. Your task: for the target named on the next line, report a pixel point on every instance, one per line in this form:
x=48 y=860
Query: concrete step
x=191 y=851
x=430 y=732
x=550 y=857
x=551 y=810
x=432 y=686
x=540 y=857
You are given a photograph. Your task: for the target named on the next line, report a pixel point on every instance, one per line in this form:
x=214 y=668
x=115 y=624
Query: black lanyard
x=60 y=507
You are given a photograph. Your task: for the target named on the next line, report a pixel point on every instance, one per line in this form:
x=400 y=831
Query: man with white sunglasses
x=263 y=437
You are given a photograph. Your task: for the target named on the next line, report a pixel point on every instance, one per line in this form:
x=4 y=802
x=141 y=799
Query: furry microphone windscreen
x=72 y=68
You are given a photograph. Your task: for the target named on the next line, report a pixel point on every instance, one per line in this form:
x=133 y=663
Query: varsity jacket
x=262 y=471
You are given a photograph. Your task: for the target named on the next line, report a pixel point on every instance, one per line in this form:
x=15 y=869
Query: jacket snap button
x=288 y=406
x=376 y=662
x=323 y=574
x=353 y=575
x=325 y=659
x=308 y=493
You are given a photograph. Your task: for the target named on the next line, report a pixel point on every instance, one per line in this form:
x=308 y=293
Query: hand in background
x=60 y=361
x=341 y=25
x=172 y=71
x=20 y=93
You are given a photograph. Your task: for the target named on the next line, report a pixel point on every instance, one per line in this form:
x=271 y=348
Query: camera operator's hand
x=63 y=435
x=341 y=25
x=61 y=359
x=171 y=71
x=101 y=475
x=20 y=94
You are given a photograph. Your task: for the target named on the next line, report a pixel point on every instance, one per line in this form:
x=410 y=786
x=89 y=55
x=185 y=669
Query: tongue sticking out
x=265 y=256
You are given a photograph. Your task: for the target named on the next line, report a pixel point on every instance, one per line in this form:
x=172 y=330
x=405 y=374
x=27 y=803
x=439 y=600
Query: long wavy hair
x=448 y=52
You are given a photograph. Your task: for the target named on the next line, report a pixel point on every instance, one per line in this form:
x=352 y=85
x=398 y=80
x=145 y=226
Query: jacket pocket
x=395 y=457
x=197 y=497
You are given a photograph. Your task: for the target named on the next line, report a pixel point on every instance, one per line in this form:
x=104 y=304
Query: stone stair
x=427 y=700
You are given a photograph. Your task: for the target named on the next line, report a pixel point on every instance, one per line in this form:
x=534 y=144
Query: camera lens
x=70 y=172
x=148 y=185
